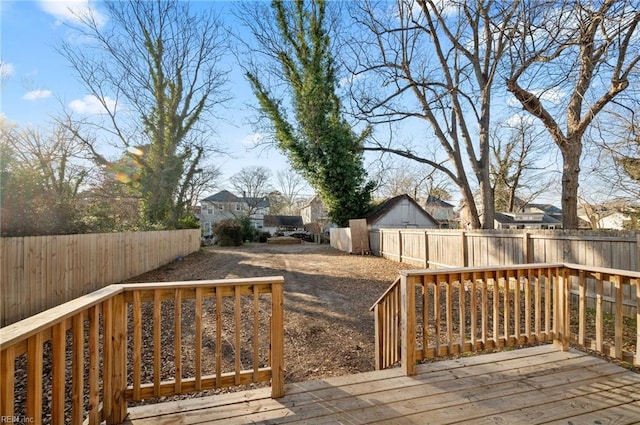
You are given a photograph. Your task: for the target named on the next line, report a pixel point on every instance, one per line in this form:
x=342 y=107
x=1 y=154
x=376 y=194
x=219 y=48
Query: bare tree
x=155 y=70
x=289 y=184
x=570 y=60
x=404 y=177
x=253 y=183
x=437 y=64
x=518 y=169
x=42 y=173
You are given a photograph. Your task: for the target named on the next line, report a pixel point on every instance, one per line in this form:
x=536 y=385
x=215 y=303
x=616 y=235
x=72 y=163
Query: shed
x=401 y=211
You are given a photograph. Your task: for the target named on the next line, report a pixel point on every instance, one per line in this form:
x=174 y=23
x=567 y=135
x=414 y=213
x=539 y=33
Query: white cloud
x=71 y=10
x=254 y=139
x=91 y=105
x=37 y=94
x=6 y=70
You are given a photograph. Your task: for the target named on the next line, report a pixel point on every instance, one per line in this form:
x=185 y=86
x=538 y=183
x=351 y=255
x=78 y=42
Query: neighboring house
x=614 y=220
x=526 y=220
x=225 y=205
x=400 y=211
x=442 y=211
x=314 y=215
x=282 y=223
x=548 y=209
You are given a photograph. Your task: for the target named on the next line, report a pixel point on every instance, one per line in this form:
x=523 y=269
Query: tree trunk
x=571 y=154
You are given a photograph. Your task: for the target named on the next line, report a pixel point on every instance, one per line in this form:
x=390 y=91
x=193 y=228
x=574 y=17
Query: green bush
x=263 y=236
x=228 y=233
x=248 y=231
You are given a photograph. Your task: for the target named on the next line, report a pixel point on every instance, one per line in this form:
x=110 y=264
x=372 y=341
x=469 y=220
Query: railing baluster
x=462 y=315
x=474 y=313
x=58 y=374
x=449 y=311
x=157 y=342
x=94 y=366
x=617 y=280
x=538 y=304
x=425 y=318
x=219 y=338
x=198 y=340
x=137 y=344
x=527 y=305
x=238 y=333
x=177 y=340
x=507 y=309
x=516 y=307
x=496 y=311
x=547 y=305
x=7 y=381
x=256 y=332
x=599 y=312
x=636 y=358
x=34 y=375
x=77 y=397
x=582 y=307
x=485 y=309
x=436 y=315
x=107 y=353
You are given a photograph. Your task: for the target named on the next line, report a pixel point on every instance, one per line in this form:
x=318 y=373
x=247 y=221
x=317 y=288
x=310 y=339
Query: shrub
x=248 y=231
x=263 y=236
x=228 y=233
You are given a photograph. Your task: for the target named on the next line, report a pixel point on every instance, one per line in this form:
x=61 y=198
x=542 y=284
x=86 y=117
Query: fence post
x=463 y=247
x=399 y=246
x=426 y=249
x=408 y=325
x=277 y=341
x=525 y=248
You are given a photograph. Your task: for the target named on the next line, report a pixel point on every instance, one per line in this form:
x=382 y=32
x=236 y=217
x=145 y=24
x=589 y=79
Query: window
x=209 y=209
x=238 y=207
x=221 y=207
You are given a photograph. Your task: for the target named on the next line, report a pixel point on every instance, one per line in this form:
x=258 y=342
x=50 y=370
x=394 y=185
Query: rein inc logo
x=16 y=420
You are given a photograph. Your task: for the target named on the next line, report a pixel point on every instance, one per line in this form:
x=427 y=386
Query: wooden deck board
x=534 y=385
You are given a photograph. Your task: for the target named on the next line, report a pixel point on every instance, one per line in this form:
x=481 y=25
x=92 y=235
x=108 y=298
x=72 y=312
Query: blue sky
x=38 y=82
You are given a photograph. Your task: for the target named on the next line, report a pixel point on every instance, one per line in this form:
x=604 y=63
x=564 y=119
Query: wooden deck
x=537 y=385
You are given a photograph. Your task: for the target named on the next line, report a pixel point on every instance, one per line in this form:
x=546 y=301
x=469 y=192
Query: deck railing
x=85 y=359
x=432 y=313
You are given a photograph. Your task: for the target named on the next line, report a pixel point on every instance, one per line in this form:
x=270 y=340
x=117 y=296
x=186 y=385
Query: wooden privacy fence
x=81 y=362
x=435 y=248
x=431 y=313
x=41 y=272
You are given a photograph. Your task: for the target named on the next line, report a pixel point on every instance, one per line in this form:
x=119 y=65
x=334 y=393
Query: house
x=526 y=220
x=442 y=211
x=400 y=211
x=548 y=209
x=225 y=205
x=282 y=223
x=315 y=216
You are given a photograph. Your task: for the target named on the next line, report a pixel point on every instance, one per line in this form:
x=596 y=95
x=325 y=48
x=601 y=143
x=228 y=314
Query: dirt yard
x=329 y=330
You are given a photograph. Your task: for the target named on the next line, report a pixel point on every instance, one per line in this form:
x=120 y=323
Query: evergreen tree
x=320 y=144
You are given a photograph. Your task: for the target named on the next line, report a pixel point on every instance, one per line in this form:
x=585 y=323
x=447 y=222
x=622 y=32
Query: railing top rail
x=25 y=328
x=22 y=330
x=389 y=289
x=203 y=283
x=425 y=272
x=604 y=270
